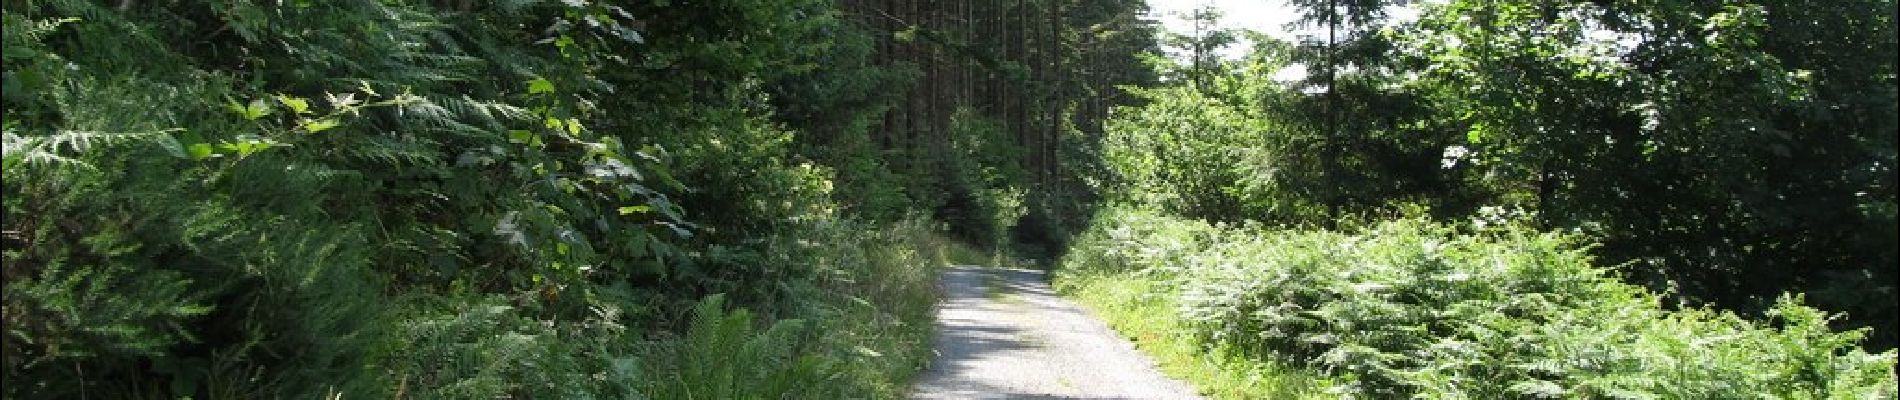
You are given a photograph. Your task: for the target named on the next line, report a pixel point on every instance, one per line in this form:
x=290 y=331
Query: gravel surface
x=1024 y=342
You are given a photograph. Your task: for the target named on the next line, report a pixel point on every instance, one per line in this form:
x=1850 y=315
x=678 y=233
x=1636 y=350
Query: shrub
x=484 y=347
x=1179 y=152
x=870 y=291
x=980 y=184
x=1415 y=308
x=722 y=357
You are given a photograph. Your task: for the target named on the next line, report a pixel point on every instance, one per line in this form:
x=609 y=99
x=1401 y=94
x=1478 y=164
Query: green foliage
x=1730 y=150
x=235 y=198
x=1413 y=308
x=486 y=348
x=867 y=186
x=110 y=314
x=874 y=300
x=375 y=199
x=1721 y=153
x=864 y=322
x=1142 y=308
x=1243 y=146
x=982 y=186
x=1192 y=154
x=1200 y=46
x=836 y=98
x=722 y=358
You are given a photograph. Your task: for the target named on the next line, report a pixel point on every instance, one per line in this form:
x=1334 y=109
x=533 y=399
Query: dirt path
x=1024 y=342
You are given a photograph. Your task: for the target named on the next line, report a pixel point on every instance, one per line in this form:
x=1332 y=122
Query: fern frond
x=64 y=147
x=23 y=31
x=396 y=151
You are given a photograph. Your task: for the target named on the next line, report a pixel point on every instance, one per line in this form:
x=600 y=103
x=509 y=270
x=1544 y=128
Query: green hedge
x=1421 y=309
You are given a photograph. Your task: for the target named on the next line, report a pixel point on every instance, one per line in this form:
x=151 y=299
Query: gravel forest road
x=1004 y=334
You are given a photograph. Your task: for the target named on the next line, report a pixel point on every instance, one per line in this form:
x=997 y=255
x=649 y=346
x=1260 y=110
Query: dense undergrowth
x=1718 y=153
x=860 y=330
x=372 y=199
x=1410 y=308
x=1511 y=199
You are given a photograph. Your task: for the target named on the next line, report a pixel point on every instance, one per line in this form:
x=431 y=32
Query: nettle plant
x=283 y=120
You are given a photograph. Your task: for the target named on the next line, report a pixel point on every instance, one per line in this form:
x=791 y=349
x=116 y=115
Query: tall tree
x=1727 y=152
x=1201 y=45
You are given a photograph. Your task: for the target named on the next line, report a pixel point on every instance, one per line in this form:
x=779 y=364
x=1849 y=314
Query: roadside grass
x=862 y=330
x=882 y=332
x=1143 y=310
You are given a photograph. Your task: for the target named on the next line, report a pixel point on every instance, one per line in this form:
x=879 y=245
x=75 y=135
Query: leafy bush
x=1179 y=152
x=871 y=297
x=1251 y=149
x=218 y=199
x=723 y=358
x=981 y=184
x=1413 y=308
x=486 y=348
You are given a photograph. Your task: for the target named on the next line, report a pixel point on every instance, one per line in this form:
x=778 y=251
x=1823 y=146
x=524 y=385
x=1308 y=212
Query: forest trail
x=1004 y=334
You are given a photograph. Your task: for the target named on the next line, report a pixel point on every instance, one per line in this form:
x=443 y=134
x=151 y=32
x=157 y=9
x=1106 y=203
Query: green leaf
x=573 y=127
x=241 y=148
x=296 y=104
x=247 y=147
x=237 y=109
x=319 y=125
x=520 y=136
x=200 y=151
x=639 y=209
x=173 y=147
x=539 y=86
x=256 y=109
